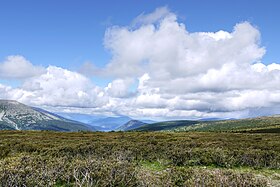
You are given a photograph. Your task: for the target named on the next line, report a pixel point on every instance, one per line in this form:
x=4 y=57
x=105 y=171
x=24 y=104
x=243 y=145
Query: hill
x=131 y=125
x=268 y=124
x=17 y=116
x=166 y=125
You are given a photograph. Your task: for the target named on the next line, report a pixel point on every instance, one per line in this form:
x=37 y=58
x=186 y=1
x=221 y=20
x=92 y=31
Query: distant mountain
x=17 y=116
x=99 y=122
x=211 y=119
x=84 y=118
x=109 y=123
x=132 y=124
x=166 y=125
x=148 y=121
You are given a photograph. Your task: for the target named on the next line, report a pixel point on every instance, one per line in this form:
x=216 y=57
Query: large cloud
x=17 y=67
x=165 y=49
x=160 y=70
x=192 y=74
x=57 y=87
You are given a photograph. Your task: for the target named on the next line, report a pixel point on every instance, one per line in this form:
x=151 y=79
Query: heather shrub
x=32 y=158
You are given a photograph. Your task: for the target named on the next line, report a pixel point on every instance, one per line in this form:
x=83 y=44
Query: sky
x=144 y=59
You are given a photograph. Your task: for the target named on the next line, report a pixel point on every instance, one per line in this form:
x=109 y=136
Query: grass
x=153 y=166
x=45 y=158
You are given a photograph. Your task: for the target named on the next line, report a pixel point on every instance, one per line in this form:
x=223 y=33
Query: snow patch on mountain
x=2 y=113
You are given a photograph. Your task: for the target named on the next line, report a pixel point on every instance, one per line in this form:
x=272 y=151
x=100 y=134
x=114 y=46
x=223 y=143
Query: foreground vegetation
x=33 y=158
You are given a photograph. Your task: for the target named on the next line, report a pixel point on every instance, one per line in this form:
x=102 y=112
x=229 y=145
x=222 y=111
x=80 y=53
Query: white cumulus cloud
x=57 y=87
x=17 y=67
x=192 y=74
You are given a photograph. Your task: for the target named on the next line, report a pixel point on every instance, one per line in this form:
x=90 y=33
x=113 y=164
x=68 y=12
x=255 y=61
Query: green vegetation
x=252 y=125
x=44 y=158
x=260 y=124
x=166 y=125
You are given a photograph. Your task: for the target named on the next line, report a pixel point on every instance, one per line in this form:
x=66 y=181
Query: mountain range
x=99 y=122
x=17 y=116
x=103 y=123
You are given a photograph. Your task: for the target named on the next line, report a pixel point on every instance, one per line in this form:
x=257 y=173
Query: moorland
x=47 y=158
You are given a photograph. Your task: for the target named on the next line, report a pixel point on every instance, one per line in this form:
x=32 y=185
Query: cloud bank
x=161 y=70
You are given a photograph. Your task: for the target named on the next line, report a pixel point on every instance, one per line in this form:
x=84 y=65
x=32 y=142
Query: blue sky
x=68 y=33
x=49 y=47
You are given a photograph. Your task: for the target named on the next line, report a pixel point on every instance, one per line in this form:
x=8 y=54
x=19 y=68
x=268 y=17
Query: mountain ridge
x=266 y=124
x=17 y=116
x=131 y=125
